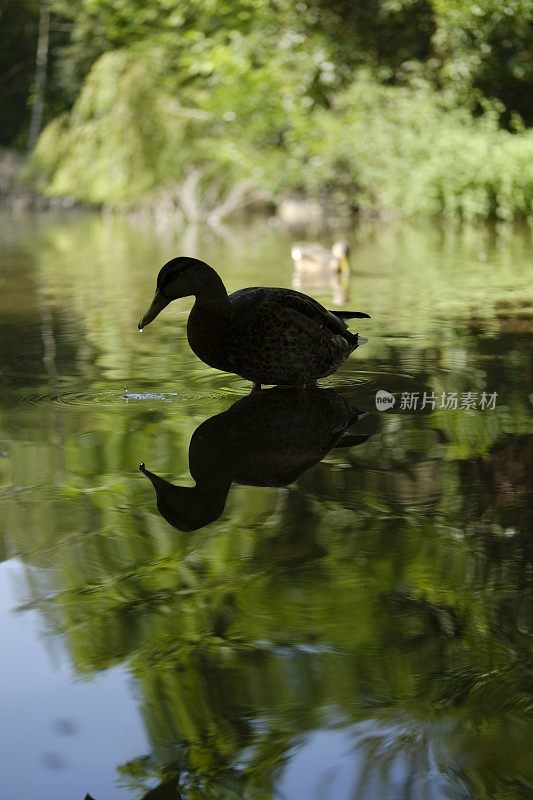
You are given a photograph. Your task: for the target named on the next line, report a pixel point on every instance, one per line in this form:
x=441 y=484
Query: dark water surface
x=342 y=607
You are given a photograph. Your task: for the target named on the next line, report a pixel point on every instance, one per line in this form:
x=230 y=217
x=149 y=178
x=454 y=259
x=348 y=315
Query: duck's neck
x=212 y=292
x=192 y=507
x=207 y=322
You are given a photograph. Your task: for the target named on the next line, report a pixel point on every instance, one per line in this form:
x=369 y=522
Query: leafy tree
x=486 y=53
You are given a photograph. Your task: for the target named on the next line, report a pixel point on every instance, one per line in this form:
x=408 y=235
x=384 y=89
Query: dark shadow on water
x=269 y=438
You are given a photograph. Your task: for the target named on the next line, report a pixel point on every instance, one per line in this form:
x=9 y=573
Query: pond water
x=341 y=606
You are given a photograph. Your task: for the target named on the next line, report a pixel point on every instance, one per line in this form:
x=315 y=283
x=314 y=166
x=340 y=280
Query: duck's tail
x=352 y=440
x=350 y=314
x=354 y=338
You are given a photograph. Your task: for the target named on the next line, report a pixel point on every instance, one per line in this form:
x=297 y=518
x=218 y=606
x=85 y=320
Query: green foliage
x=485 y=51
x=391 y=35
x=355 y=100
x=19 y=22
x=114 y=146
x=387 y=588
x=378 y=148
x=227 y=101
x=405 y=150
x=18 y=32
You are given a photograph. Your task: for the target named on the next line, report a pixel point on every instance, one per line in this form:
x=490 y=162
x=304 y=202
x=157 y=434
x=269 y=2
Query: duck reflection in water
x=331 y=285
x=269 y=438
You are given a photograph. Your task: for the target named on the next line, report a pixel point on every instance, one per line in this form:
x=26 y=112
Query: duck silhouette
x=268 y=438
x=268 y=335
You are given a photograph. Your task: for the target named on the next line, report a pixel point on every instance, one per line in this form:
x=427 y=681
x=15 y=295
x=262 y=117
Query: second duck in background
x=269 y=335
x=314 y=259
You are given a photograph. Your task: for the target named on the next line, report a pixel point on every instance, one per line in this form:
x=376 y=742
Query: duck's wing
x=279 y=301
x=332 y=321
x=283 y=337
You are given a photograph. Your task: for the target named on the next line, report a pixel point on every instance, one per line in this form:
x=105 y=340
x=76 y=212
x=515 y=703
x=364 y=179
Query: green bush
x=117 y=144
x=404 y=150
x=377 y=148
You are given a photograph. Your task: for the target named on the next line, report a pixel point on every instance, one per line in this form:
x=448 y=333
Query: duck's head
x=188 y=508
x=179 y=277
x=341 y=252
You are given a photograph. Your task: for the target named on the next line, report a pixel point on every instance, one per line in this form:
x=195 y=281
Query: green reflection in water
x=382 y=597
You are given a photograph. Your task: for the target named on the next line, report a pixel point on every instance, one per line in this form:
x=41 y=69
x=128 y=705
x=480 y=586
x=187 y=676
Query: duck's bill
x=344 y=265
x=158 y=304
x=159 y=484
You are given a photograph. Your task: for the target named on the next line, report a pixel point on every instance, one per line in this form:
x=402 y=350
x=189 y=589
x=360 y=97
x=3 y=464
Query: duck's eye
x=161 y=290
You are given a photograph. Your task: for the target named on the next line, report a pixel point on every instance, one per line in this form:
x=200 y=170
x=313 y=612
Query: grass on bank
x=379 y=149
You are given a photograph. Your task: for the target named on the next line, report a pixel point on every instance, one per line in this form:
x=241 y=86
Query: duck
x=267 y=438
x=267 y=335
x=315 y=259
x=325 y=284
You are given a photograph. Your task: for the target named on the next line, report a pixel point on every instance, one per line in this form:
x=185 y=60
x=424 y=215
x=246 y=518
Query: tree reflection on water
x=353 y=621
